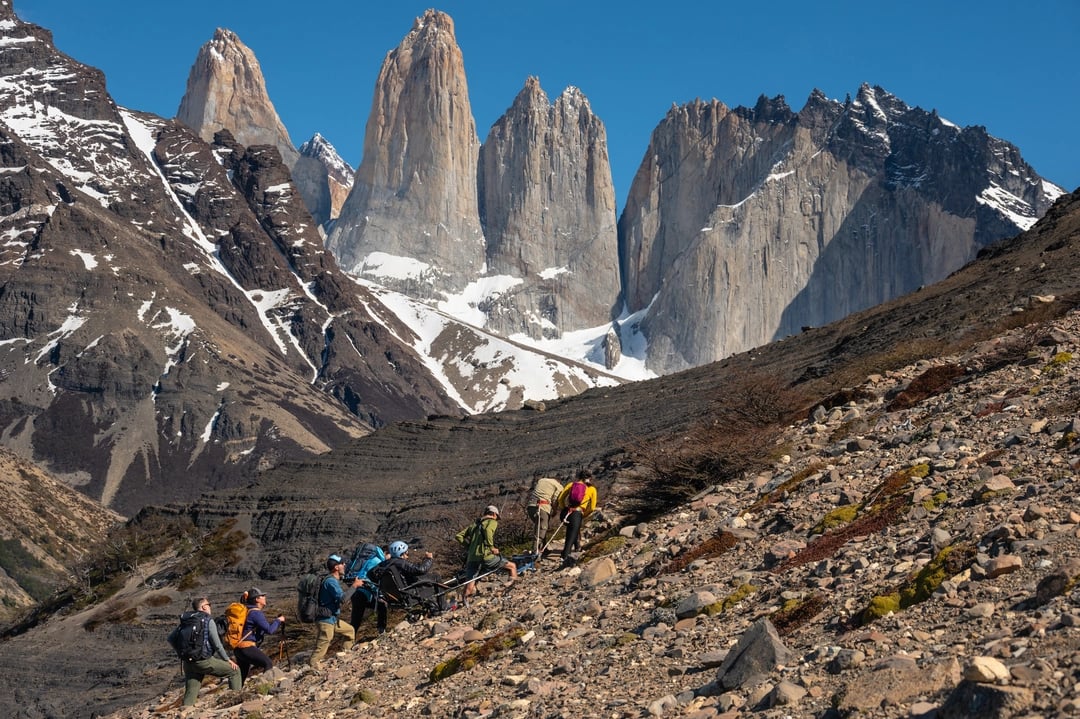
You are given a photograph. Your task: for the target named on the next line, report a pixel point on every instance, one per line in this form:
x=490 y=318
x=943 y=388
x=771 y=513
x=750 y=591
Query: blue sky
x=1009 y=66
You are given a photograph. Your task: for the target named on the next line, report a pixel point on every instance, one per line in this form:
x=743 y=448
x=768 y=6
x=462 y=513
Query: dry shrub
x=930 y=383
x=883 y=516
x=712 y=547
x=739 y=437
x=789 y=619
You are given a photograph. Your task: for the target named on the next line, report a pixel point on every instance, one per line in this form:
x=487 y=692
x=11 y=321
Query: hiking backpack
x=191 y=638
x=231 y=625
x=366 y=557
x=307 y=600
x=577 y=494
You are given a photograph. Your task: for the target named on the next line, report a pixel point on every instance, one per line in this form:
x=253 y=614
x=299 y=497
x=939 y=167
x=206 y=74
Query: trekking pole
x=553 y=535
x=283 y=648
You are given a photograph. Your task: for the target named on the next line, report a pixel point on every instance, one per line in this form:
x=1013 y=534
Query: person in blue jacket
x=331 y=597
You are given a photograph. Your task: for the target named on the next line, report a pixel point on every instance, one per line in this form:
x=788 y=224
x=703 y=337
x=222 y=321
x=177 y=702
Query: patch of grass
x=797 y=613
x=836 y=518
x=603 y=547
x=477 y=653
x=723 y=605
x=922 y=584
x=24 y=568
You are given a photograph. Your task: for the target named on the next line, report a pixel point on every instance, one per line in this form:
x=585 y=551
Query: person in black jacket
x=248 y=652
x=412 y=572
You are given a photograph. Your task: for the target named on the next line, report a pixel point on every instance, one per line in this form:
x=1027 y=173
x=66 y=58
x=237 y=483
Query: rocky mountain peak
x=412 y=220
x=870 y=183
x=226 y=89
x=548 y=213
x=323 y=179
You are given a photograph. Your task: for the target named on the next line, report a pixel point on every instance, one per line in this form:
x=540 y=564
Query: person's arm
x=589 y=503
x=561 y=501
x=215 y=642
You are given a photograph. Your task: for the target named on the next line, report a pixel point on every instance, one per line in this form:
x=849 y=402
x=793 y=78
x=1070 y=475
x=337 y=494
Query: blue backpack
x=365 y=557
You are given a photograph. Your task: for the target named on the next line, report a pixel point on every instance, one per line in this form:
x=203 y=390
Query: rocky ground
x=909 y=554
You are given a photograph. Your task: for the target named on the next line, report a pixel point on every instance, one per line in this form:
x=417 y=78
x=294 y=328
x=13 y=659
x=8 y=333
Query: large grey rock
x=757 y=654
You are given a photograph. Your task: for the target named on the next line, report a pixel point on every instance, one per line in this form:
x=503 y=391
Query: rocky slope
x=46 y=530
x=1002 y=411
x=743 y=226
x=770 y=596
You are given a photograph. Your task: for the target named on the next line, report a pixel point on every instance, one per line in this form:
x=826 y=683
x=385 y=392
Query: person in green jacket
x=483 y=556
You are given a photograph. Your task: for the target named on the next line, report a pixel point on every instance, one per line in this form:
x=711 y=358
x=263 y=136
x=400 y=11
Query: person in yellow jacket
x=576 y=501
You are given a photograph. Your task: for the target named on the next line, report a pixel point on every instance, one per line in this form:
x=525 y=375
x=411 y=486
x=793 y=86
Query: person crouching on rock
x=482 y=555
x=247 y=652
x=331 y=597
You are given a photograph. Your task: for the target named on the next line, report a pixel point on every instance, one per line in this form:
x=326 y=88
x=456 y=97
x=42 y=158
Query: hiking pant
x=248 y=657
x=542 y=516
x=327 y=631
x=573 y=534
x=195 y=671
x=360 y=605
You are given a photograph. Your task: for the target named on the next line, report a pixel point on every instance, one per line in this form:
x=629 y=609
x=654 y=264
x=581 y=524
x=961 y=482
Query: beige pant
x=326 y=635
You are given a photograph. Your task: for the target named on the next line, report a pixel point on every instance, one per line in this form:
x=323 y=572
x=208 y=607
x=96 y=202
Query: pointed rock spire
x=415 y=194
x=226 y=90
x=548 y=208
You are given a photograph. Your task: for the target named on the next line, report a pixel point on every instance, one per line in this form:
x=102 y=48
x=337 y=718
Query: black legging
x=573 y=531
x=248 y=657
x=360 y=605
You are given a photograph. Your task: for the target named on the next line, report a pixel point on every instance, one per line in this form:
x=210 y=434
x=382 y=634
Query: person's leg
x=256 y=659
x=322 y=642
x=544 y=520
x=573 y=526
x=192 y=683
x=380 y=616
x=512 y=568
x=221 y=668
x=360 y=605
x=346 y=630
x=243 y=661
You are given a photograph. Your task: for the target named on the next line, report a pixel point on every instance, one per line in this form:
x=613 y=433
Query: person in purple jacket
x=248 y=654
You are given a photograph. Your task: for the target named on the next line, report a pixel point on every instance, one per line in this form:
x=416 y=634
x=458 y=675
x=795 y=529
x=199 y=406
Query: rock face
x=171 y=319
x=322 y=178
x=226 y=90
x=744 y=225
x=412 y=221
x=548 y=212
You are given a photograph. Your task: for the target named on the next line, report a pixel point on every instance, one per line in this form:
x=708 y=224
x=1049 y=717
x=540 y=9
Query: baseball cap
x=255 y=593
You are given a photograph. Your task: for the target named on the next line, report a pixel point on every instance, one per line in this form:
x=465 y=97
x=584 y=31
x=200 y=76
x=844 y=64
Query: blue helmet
x=398 y=548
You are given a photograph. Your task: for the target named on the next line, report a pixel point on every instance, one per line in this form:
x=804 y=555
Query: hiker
x=247 y=652
x=331 y=597
x=576 y=501
x=542 y=500
x=413 y=572
x=368 y=597
x=482 y=555
x=209 y=658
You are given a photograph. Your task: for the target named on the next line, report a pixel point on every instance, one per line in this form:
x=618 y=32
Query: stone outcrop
x=322 y=178
x=226 y=91
x=412 y=221
x=745 y=225
x=548 y=212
